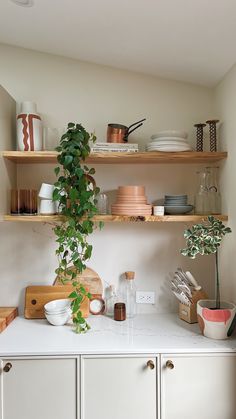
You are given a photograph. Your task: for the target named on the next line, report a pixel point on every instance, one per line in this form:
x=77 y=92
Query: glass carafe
x=130 y=294
x=202 y=201
x=213 y=190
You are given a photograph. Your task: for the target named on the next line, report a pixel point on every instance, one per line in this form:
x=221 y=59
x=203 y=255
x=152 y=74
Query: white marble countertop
x=146 y=334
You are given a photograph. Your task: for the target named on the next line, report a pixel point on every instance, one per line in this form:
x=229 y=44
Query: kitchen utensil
x=118 y=133
x=7 y=315
x=89 y=279
x=193 y=281
x=37 y=296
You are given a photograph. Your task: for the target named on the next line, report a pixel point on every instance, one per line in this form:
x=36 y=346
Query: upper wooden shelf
x=29 y=157
x=192 y=218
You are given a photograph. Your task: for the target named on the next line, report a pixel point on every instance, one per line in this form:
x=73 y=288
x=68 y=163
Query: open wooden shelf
x=29 y=157
x=192 y=218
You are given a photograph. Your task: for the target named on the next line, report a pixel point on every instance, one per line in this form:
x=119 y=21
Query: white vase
x=215 y=323
x=29 y=128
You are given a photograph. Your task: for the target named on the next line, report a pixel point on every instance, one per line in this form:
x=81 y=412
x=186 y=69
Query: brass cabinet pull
x=170 y=364
x=150 y=364
x=7 y=367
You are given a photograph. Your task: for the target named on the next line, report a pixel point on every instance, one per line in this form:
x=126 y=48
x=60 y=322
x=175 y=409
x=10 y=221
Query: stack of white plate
x=169 y=141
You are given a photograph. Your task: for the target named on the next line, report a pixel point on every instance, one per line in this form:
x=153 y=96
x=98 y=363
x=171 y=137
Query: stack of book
x=114 y=147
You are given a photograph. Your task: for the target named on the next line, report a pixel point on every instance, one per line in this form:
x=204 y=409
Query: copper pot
x=118 y=133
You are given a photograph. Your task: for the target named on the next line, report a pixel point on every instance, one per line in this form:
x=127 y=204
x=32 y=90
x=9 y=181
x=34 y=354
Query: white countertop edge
x=146 y=334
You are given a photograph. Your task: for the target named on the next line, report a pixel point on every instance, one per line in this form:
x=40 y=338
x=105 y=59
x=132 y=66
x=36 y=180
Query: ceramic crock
x=215 y=323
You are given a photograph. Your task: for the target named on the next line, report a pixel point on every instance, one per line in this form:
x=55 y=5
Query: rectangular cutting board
x=37 y=296
x=7 y=315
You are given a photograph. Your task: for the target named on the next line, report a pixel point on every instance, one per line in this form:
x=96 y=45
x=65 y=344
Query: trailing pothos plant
x=205 y=239
x=75 y=190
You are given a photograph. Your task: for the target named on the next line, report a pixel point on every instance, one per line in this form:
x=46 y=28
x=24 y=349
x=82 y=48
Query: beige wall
x=69 y=90
x=225 y=97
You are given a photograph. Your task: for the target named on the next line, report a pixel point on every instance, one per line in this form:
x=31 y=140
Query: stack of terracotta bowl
x=131 y=200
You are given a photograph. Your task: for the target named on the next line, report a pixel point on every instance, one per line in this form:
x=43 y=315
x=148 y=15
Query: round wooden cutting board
x=89 y=278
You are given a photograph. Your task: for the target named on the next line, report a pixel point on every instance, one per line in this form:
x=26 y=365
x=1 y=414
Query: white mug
x=46 y=191
x=158 y=210
x=47 y=207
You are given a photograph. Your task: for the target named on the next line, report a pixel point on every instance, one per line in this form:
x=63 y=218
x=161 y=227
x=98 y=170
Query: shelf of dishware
x=152 y=157
x=192 y=218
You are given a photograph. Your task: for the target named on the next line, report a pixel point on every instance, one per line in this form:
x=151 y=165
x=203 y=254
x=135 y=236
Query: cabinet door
x=115 y=388
x=201 y=386
x=39 y=389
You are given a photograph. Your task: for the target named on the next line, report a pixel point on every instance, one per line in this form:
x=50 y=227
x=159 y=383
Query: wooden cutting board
x=89 y=278
x=7 y=315
x=37 y=296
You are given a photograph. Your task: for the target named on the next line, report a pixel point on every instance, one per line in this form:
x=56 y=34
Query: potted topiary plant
x=214 y=316
x=75 y=190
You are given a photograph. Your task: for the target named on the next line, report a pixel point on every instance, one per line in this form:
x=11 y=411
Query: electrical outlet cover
x=145 y=297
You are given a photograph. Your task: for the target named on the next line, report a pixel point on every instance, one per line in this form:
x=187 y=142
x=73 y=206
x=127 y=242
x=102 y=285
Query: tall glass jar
x=130 y=294
x=213 y=190
x=202 y=201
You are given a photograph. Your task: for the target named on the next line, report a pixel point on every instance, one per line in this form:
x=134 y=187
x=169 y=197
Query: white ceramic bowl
x=57 y=305
x=58 y=319
x=68 y=310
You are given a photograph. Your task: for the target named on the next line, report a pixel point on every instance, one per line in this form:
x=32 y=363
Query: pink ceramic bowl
x=131 y=190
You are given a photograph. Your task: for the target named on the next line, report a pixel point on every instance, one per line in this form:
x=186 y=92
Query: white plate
x=168 y=139
x=170 y=133
x=169 y=148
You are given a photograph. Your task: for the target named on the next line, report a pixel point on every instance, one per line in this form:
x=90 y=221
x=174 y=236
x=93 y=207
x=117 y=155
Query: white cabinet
x=115 y=388
x=38 y=389
x=198 y=387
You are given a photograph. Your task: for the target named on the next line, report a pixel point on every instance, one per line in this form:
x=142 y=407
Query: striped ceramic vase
x=29 y=128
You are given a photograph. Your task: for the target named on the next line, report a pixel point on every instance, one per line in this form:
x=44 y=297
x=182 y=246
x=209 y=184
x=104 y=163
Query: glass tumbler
x=17 y=201
x=30 y=201
x=102 y=203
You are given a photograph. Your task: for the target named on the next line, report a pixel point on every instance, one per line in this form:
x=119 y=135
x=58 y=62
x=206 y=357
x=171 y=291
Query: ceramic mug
x=47 y=207
x=46 y=191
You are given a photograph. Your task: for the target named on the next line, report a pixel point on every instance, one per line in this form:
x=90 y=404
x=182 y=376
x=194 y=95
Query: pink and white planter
x=29 y=128
x=215 y=324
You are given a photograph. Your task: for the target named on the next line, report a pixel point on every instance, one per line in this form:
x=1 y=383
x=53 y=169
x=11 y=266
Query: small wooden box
x=189 y=313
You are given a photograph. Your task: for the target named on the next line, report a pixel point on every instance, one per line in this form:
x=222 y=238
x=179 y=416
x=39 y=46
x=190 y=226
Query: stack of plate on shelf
x=177 y=204
x=169 y=141
x=131 y=200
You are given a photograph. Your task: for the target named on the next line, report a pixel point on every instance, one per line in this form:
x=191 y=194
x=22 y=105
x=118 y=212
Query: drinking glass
x=202 y=199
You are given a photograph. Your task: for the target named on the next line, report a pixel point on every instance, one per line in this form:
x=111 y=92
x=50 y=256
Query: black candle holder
x=199 y=134
x=212 y=131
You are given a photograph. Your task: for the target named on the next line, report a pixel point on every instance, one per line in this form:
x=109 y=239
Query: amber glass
x=17 y=201
x=30 y=201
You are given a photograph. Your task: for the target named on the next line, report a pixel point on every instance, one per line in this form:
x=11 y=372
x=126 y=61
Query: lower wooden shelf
x=192 y=218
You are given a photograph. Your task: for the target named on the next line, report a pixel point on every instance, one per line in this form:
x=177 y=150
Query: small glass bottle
x=111 y=300
x=202 y=202
x=130 y=294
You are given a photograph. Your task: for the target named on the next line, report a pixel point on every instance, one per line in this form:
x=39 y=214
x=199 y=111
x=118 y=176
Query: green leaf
x=57 y=170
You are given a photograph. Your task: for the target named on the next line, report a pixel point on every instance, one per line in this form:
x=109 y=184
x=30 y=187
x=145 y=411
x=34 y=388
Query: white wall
x=69 y=90
x=225 y=98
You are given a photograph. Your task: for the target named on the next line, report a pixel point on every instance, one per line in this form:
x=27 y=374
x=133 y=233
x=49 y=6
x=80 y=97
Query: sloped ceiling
x=187 y=40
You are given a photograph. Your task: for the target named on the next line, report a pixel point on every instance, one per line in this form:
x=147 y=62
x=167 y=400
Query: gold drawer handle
x=170 y=364
x=7 y=367
x=150 y=364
